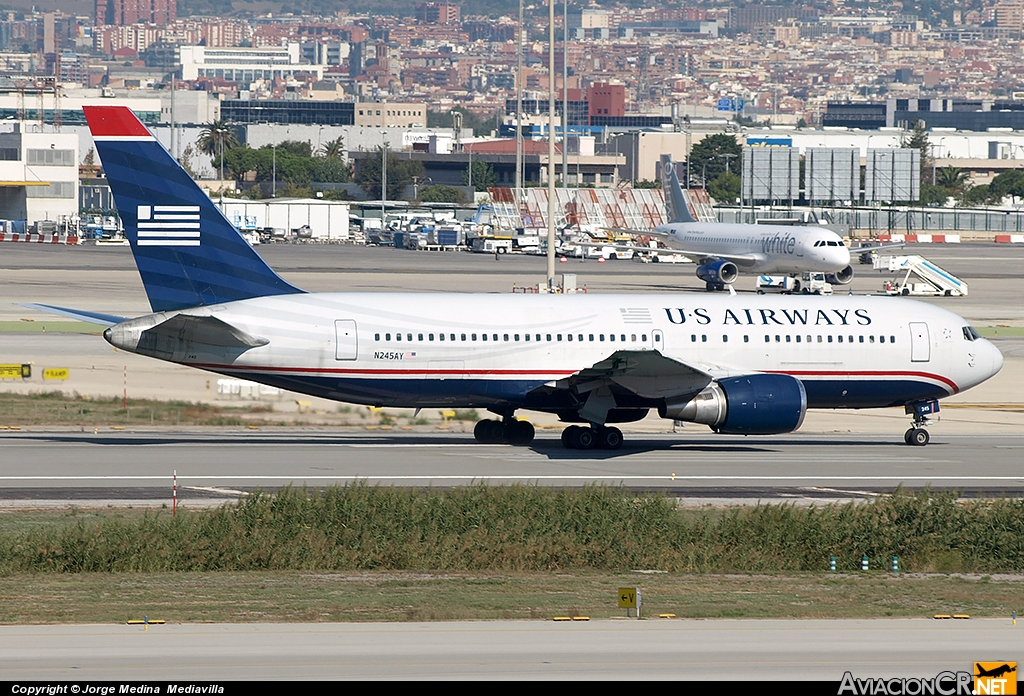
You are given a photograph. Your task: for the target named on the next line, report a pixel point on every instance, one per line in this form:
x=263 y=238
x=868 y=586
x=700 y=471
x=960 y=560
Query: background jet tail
x=187 y=252
x=675 y=200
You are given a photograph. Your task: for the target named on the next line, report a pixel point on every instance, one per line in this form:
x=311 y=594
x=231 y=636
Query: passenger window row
x=610 y=338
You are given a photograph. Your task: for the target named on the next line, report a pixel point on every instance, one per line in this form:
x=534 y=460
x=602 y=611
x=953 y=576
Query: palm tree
x=953 y=179
x=214 y=139
x=334 y=149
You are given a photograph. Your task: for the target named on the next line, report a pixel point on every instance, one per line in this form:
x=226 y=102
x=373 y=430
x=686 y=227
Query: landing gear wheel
x=918 y=437
x=609 y=438
x=567 y=436
x=489 y=432
x=520 y=432
x=584 y=439
x=906 y=435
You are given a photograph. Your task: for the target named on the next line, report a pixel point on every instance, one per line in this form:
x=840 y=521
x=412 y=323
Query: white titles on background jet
x=741 y=365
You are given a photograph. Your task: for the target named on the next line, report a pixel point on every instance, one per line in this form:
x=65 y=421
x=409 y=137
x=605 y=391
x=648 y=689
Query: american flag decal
x=635 y=315
x=168 y=225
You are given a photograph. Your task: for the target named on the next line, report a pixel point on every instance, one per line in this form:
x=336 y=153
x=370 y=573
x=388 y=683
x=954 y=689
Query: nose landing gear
x=917 y=436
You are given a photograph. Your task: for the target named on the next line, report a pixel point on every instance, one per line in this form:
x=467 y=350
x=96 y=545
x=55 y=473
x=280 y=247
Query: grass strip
x=59 y=408
x=297 y=596
x=523 y=529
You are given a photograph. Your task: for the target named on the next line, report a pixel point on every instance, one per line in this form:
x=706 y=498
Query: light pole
x=383 y=175
x=551 y=144
x=273 y=184
x=321 y=130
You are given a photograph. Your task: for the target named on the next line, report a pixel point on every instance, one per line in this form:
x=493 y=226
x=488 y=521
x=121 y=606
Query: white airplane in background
x=750 y=365
x=723 y=250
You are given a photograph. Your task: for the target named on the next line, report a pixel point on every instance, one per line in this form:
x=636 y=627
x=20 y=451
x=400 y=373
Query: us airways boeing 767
x=740 y=365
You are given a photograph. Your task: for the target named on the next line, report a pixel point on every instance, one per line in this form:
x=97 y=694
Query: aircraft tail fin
x=187 y=252
x=675 y=200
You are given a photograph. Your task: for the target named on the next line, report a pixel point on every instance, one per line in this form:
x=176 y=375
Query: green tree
x=335 y=149
x=933 y=196
x=400 y=174
x=647 y=184
x=441 y=193
x=299 y=148
x=976 y=195
x=918 y=140
x=1009 y=183
x=707 y=156
x=483 y=176
x=725 y=188
x=215 y=139
x=953 y=179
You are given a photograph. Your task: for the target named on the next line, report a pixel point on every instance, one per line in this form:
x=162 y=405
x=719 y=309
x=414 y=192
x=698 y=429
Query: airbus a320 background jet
x=724 y=250
x=742 y=365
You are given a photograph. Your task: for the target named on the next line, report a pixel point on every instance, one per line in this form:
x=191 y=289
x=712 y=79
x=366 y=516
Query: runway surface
x=113 y=465
x=720 y=650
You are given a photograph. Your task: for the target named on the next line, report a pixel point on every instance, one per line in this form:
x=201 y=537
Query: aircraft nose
x=997 y=358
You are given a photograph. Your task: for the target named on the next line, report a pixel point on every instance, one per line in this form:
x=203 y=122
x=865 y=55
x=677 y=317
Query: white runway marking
x=549 y=477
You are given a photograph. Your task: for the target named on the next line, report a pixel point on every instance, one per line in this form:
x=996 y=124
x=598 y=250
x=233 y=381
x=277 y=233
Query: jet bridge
x=919 y=277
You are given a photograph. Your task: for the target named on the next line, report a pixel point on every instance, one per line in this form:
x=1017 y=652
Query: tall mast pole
x=551 y=143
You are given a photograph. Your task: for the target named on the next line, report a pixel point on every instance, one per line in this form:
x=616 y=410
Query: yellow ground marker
x=942 y=616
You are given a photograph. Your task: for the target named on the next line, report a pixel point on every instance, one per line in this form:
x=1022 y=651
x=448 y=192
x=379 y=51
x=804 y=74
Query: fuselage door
x=659 y=340
x=920 y=344
x=346 y=343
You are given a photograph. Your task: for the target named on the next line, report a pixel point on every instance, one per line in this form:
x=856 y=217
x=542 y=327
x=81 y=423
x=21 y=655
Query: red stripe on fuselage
x=113 y=121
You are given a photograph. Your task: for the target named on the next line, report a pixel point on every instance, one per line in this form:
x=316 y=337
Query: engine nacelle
x=719 y=272
x=842 y=277
x=750 y=405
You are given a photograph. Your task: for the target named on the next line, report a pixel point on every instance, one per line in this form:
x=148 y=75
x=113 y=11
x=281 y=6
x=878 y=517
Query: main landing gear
x=586 y=438
x=917 y=436
x=509 y=431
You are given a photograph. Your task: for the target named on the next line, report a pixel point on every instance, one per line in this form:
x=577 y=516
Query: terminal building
x=38 y=174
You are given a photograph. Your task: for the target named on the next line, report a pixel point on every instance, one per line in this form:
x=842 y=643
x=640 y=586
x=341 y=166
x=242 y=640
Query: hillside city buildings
x=641 y=81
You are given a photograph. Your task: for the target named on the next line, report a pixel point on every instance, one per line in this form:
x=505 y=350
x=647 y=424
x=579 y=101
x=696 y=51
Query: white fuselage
x=415 y=350
x=767 y=248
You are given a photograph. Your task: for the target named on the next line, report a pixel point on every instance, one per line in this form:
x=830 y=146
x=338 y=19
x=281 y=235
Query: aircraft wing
x=648 y=374
x=868 y=249
x=77 y=314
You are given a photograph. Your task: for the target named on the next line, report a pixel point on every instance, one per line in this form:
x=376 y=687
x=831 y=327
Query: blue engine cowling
x=719 y=272
x=760 y=404
x=842 y=277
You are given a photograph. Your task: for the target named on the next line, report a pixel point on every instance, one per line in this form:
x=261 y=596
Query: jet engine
x=719 y=272
x=758 y=404
x=842 y=277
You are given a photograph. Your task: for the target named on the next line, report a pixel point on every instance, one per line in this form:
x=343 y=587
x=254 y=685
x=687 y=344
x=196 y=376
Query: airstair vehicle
x=920 y=277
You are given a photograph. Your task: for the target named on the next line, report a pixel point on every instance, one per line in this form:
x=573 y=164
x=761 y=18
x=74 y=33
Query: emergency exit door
x=920 y=343
x=346 y=344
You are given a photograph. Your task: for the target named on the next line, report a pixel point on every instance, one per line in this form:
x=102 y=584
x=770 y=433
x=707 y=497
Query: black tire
x=502 y=250
x=919 y=437
x=760 y=291
x=585 y=439
x=906 y=435
x=610 y=438
x=521 y=432
x=489 y=432
x=906 y=291
x=796 y=286
x=567 y=436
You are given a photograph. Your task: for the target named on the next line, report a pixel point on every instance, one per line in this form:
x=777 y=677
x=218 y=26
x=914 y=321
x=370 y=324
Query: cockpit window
x=970 y=334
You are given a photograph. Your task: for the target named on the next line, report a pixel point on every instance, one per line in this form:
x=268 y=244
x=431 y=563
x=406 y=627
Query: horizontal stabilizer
x=77 y=314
